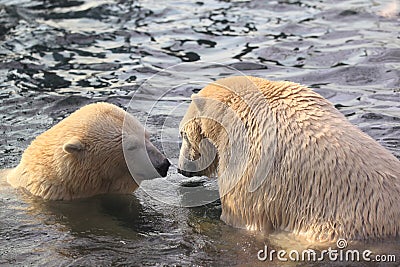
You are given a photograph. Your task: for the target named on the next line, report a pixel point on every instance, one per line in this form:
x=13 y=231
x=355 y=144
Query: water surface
x=56 y=56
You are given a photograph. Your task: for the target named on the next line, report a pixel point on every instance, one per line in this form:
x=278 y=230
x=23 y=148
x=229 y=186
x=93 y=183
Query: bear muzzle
x=189 y=169
x=162 y=169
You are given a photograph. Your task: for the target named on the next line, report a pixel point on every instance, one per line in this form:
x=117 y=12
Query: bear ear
x=199 y=101
x=74 y=145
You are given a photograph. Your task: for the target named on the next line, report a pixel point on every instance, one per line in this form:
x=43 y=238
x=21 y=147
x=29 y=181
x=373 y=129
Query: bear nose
x=190 y=171
x=162 y=169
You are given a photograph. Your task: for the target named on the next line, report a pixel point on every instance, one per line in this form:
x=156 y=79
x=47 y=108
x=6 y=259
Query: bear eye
x=129 y=142
x=184 y=135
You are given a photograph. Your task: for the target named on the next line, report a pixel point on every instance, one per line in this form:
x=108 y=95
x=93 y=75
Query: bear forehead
x=104 y=114
x=101 y=119
x=100 y=110
x=107 y=116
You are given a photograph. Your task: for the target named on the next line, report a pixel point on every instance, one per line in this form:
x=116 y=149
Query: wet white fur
x=297 y=164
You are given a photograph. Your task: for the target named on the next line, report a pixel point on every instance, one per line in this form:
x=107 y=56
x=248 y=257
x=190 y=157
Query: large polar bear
x=286 y=159
x=95 y=150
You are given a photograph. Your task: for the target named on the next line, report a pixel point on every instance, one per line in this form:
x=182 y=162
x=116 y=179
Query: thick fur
x=305 y=169
x=83 y=155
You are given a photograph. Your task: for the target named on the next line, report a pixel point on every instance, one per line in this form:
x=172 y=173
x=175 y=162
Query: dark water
x=56 y=56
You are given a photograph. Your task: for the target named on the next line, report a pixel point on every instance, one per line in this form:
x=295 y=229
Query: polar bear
x=286 y=159
x=95 y=150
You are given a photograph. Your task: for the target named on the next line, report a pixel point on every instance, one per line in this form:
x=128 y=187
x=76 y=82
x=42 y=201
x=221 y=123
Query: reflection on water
x=56 y=56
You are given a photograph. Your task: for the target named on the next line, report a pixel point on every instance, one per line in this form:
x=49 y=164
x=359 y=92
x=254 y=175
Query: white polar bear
x=286 y=159
x=95 y=150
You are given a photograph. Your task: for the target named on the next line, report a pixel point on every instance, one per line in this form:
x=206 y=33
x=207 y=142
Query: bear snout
x=158 y=160
x=162 y=169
